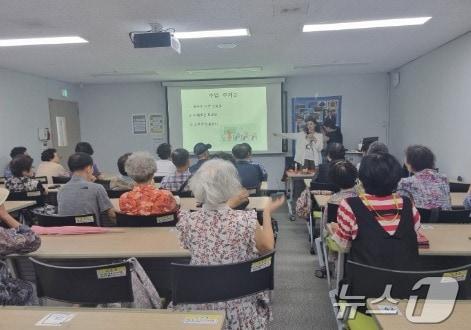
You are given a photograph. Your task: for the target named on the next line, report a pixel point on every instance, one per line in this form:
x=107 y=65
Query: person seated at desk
x=16 y=151
x=178 y=181
x=201 y=151
x=262 y=168
x=124 y=182
x=50 y=165
x=22 y=180
x=145 y=198
x=335 y=152
x=16 y=238
x=380 y=227
x=427 y=188
x=81 y=195
x=373 y=148
x=251 y=175
x=86 y=147
x=164 y=164
x=217 y=234
x=224 y=156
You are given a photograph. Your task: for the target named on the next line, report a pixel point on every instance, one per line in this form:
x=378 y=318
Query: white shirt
x=50 y=169
x=313 y=152
x=165 y=167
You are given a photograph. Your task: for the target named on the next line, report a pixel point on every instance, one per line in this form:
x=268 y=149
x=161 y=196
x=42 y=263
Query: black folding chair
x=161 y=220
x=158 y=179
x=2 y=180
x=183 y=194
x=324 y=186
x=60 y=179
x=453 y=216
x=59 y=221
x=197 y=284
x=332 y=210
x=42 y=179
x=101 y=284
x=459 y=187
x=104 y=183
x=427 y=215
x=36 y=196
x=116 y=193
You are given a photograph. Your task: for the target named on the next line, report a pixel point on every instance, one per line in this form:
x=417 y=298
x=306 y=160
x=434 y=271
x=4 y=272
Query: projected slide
x=225 y=117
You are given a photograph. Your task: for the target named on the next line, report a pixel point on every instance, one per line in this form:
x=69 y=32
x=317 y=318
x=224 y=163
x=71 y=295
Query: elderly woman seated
x=145 y=198
x=217 y=234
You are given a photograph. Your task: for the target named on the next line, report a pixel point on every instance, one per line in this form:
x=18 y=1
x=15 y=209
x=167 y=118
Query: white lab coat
x=300 y=146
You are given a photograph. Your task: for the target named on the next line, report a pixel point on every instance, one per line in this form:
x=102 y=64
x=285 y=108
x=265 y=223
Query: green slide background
x=224 y=117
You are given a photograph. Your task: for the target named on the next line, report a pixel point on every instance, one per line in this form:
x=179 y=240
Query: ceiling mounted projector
x=154 y=38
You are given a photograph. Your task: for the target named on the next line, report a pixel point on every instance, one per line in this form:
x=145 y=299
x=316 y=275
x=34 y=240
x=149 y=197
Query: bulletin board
x=325 y=109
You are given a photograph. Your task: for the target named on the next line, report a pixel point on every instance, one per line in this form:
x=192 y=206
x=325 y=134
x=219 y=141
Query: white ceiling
x=277 y=44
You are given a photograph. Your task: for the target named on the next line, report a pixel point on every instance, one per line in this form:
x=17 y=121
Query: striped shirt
x=385 y=206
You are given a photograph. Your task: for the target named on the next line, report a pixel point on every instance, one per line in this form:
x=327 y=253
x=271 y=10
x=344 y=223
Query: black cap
x=200 y=148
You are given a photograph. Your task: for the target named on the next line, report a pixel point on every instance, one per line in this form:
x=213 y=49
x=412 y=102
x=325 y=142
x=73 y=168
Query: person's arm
x=238 y=199
x=111 y=214
x=264 y=239
x=104 y=203
x=291 y=136
x=342 y=231
x=319 y=143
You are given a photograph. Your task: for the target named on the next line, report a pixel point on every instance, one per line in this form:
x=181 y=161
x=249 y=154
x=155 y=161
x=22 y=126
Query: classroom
x=235 y=164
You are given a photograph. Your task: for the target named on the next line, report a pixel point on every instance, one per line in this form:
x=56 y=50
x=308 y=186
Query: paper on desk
x=55 y=319
x=200 y=319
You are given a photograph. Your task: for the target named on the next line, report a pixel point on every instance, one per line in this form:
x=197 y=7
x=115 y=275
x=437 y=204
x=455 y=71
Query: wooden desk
x=25 y=318
x=189 y=203
x=264 y=185
x=447 y=240
x=12 y=206
x=322 y=200
x=460 y=318
x=457 y=199
x=122 y=243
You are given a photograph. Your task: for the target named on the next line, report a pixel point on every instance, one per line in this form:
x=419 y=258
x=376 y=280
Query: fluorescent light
x=212 y=34
x=366 y=24
x=42 y=41
x=225 y=70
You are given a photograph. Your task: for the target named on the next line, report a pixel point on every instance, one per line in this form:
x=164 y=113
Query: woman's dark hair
x=16 y=151
x=79 y=161
x=224 y=156
x=20 y=164
x=180 y=157
x=420 y=158
x=335 y=151
x=164 y=150
x=48 y=154
x=343 y=174
x=84 y=147
x=241 y=151
x=121 y=162
x=317 y=128
x=377 y=147
x=380 y=174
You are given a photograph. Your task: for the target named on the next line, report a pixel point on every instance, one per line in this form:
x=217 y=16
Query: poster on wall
x=156 y=125
x=139 y=124
x=325 y=109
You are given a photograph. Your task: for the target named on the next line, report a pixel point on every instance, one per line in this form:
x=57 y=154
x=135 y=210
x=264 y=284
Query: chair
x=59 y=221
x=444 y=216
x=459 y=187
x=116 y=193
x=104 y=183
x=183 y=194
x=161 y=220
x=158 y=179
x=42 y=179
x=100 y=284
x=36 y=196
x=2 y=180
x=332 y=210
x=324 y=186
x=197 y=284
x=60 y=179
x=426 y=215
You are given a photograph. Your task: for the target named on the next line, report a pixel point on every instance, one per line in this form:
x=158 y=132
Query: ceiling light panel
x=366 y=24
x=42 y=41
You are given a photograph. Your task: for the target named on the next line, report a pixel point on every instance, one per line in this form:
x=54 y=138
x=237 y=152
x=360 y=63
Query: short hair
x=215 y=182
x=16 y=151
x=48 y=154
x=164 y=151
x=420 y=157
x=224 y=156
x=84 y=147
x=335 y=151
x=20 y=164
x=380 y=174
x=79 y=161
x=240 y=151
x=122 y=162
x=140 y=166
x=343 y=174
x=180 y=157
x=249 y=147
x=377 y=147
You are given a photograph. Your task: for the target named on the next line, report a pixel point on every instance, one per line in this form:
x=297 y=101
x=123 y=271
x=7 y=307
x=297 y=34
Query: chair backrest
x=36 y=196
x=453 y=216
x=324 y=186
x=427 y=215
x=59 y=221
x=101 y=284
x=2 y=180
x=183 y=194
x=161 y=220
x=158 y=179
x=371 y=281
x=459 y=187
x=104 y=183
x=212 y=283
x=116 y=193
x=60 y=179
x=332 y=210
x=42 y=179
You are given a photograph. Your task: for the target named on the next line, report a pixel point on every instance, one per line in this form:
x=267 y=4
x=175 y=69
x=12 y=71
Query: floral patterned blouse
x=428 y=189
x=23 y=184
x=147 y=200
x=224 y=236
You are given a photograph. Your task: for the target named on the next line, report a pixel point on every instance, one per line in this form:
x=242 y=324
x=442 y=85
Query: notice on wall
x=61 y=132
x=139 y=124
x=156 y=125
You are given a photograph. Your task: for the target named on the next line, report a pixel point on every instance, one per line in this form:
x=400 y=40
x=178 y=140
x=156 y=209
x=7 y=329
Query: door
x=65 y=127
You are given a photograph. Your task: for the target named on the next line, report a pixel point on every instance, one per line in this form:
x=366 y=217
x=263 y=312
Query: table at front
x=447 y=240
x=155 y=248
x=25 y=318
x=460 y=317
x=12 y=206
x=289 y=188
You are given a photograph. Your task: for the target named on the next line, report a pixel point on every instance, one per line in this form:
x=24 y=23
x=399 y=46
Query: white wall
x=24 y=108
x=106 y=121
x=432 y=106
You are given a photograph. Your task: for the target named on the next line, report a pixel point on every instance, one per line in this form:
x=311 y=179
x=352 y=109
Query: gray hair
x=377 y=148
x=215 y=182
x=140 y=166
